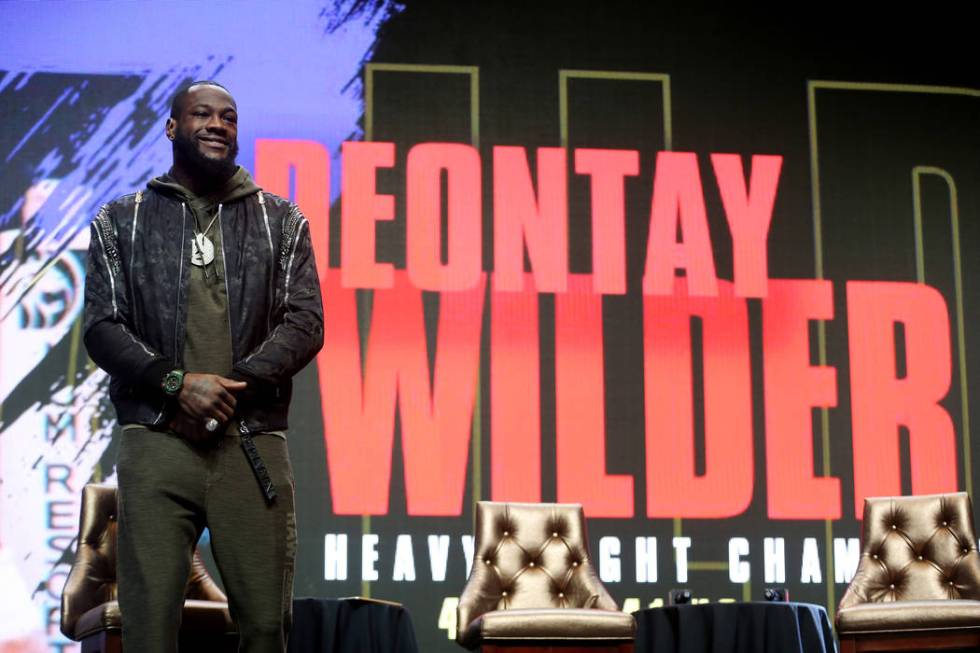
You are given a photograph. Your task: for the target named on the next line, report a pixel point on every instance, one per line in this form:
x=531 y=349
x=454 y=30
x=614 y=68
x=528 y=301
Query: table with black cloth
x=735 y=628
x=350 y=626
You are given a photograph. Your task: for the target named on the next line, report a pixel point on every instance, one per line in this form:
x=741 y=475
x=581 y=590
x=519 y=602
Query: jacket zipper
x=242 y=428
x=180 y=276
x=285 y=299
x=132 y=289
x=132 y=253
x=271 y=285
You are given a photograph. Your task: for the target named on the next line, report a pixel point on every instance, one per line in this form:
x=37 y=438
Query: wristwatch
x=172 y=382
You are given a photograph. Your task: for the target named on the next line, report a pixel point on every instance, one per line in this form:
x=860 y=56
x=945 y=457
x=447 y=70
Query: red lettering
x=678 y=200
x=793 y=388
x=358 y=418
x=749 y=212
x=310 y=163
x=515 y=395
x=882 y=401
x=608 y=170
x=360 y=207
x=435 y=418
x=674 y=489
x=521 y=217
x=423 y=216
x=580 y=412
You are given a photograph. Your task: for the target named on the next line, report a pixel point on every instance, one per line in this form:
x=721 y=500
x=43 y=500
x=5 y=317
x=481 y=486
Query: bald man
x=202 y=302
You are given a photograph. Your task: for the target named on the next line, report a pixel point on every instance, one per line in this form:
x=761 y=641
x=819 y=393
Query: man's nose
x=216 y=124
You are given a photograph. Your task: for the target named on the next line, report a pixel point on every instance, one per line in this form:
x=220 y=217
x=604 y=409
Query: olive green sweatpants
x=169 y=491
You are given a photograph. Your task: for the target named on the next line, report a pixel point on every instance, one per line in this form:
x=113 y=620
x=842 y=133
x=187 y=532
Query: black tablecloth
x=350 y=626
x=735 y=628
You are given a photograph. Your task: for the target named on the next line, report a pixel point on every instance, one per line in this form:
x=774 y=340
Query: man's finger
x=223 y=395
x=189 y=429
x=231 y=384
x=199 y=405
x=194 y=409
x=223 y=411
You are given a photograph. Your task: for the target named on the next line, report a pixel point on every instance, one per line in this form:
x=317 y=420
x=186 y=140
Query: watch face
x=173 y=381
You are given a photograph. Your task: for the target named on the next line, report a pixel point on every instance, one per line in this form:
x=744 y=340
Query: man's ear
x=171 y=128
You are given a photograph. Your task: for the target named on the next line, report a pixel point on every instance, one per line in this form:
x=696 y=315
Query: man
x=202 y=302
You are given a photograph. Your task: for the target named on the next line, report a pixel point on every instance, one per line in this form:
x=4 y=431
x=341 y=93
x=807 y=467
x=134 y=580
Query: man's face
x=205 y=132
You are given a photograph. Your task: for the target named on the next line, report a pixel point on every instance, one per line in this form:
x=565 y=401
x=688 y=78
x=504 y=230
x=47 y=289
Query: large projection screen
x=711 y=276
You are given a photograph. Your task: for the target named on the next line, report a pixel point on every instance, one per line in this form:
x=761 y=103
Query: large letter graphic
x=674 y=489
x=423 y=216
x=678 y=199
x=520 y=217
x=608 y=170
x=882 y=401
x=515 y=395
x=749 y=213
x=310 y=164
x=792 y=389
x=580 y=406
x=360 y=207
x=435 y=418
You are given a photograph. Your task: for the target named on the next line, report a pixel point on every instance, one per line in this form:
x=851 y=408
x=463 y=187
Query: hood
x=239 y=185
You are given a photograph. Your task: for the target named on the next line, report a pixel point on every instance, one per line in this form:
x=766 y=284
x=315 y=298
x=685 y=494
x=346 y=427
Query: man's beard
x=187 y=150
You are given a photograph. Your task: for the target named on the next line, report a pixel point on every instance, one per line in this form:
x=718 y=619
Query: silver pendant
x=202 y=250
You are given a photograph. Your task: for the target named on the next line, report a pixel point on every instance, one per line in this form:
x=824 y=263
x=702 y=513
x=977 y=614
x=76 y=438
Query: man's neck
x=200 y=185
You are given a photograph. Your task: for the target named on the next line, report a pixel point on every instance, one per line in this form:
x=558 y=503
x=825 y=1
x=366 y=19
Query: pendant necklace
x=202 y=249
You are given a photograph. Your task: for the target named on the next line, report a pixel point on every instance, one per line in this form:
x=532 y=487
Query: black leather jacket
x=136 y=302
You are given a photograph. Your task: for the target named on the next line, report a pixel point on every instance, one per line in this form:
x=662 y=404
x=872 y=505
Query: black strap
x=261 y=472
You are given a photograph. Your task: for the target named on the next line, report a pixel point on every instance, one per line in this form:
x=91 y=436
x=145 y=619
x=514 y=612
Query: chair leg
x=847 y=645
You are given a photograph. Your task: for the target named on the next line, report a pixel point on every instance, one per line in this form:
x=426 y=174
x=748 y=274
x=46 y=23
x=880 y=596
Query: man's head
x=203 y=126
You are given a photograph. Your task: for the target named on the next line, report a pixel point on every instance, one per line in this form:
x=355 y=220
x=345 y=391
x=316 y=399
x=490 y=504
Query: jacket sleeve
x=109 y=336
x=297 y=335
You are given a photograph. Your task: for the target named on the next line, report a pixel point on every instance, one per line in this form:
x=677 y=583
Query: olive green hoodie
x=207 y=348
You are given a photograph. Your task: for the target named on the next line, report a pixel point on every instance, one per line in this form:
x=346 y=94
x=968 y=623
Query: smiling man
x=202 y=302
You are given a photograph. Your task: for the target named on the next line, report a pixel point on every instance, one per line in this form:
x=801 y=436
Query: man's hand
x=206 y=396
x=193 y=430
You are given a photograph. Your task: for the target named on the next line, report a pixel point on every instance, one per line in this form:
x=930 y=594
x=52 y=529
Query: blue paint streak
x=39 y=123
x=289 y=75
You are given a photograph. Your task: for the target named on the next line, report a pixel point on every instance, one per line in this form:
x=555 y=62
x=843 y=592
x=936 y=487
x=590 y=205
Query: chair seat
x=562 y=624
x=908 y=616
x=198 y=616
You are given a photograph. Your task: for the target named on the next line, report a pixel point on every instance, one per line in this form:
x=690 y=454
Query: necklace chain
x=203 y=251
x=210 y=224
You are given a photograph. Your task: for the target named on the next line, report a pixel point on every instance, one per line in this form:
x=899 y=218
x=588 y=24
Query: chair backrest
x=916 y=548
x=92 y=579
x=530 y=555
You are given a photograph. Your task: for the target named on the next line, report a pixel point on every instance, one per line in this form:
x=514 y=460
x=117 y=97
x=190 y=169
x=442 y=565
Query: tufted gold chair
x=918 y=583
x=533 y=587
x=89 y=610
